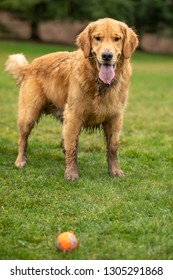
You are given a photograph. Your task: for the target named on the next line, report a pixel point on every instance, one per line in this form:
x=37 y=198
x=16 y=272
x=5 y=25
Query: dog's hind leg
x=24 y=129
x=30 y=106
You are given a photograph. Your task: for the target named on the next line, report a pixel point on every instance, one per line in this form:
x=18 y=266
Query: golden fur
x=66 y=84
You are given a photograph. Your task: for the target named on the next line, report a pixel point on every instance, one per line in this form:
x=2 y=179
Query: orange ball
x=66 y=241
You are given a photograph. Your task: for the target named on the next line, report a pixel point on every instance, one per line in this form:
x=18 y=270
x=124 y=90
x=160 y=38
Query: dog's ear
x=83 y=40
x=130 y=42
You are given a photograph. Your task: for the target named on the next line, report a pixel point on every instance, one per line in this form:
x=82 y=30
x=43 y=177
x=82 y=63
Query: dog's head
x=107 y=40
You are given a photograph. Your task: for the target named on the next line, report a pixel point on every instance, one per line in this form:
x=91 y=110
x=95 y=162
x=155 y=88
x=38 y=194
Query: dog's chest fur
x=103 y=107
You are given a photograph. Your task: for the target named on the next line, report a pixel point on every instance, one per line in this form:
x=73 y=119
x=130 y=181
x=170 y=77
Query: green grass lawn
x=113 y=218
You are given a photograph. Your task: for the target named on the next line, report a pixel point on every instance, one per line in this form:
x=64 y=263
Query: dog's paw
x=71 y=175
x=116 y=172
x=20 y=162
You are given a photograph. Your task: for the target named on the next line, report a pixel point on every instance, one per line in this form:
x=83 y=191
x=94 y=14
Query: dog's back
x=49 y=72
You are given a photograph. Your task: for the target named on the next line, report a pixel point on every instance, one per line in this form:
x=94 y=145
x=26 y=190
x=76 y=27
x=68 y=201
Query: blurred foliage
x=145 y=15
x=154 y=16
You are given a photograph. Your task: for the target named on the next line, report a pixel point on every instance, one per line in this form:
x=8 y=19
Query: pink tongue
x=106 y=73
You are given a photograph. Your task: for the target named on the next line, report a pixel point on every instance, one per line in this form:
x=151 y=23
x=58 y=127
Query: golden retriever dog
x=84 y=88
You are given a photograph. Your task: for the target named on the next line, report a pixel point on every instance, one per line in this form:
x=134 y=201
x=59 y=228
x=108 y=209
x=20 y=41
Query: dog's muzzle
x=105 y=66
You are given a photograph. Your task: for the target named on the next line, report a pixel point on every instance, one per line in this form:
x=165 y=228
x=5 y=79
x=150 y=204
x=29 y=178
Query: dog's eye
x=116 y=39
x=97 y=38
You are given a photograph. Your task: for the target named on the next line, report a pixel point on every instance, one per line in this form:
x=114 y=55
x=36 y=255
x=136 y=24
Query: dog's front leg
x=112 y=130
x=71 y=130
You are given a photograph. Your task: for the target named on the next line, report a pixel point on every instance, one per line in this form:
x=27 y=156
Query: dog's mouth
x=106 y=69
x=106 y=72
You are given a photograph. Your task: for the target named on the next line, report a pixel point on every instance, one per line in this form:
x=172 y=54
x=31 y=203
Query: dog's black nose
x=107 y=56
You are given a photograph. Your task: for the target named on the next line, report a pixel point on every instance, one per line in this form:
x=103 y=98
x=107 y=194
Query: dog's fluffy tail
x=16 y=65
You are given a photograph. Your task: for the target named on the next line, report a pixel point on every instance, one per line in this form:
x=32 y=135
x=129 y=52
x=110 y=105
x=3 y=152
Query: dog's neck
x=101 y=86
